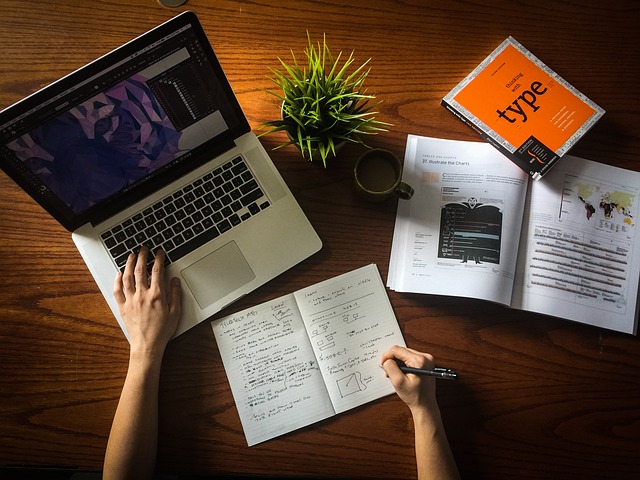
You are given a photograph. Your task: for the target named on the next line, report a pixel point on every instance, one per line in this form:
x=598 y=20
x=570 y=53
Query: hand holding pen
x=413 y=375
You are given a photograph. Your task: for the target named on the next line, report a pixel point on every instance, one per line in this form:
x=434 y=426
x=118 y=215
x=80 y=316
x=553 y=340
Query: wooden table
x=538 y=398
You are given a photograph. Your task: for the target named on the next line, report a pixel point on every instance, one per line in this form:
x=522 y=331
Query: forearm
x=131 y=450
x=433 y=454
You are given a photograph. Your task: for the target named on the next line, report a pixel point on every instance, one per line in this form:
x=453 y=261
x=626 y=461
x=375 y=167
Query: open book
x=309 y=355
x=476 y=227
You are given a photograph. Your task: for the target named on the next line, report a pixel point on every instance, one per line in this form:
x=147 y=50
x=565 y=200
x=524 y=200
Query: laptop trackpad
x=218 y=274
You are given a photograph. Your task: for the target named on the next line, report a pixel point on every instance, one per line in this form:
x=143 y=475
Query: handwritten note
x=309 y=355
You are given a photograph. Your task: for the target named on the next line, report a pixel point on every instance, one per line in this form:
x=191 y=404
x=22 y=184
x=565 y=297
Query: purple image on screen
x=101 y=146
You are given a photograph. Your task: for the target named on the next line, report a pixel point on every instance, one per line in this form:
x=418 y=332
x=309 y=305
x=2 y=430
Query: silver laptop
x=148 y=145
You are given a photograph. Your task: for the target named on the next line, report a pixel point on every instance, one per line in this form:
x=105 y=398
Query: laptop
x=148 y=145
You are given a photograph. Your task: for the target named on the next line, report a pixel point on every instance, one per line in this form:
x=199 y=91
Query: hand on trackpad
x=218 y=274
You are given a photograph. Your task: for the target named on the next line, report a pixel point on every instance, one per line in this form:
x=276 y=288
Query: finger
x=141 y=275
x=410 y=357
x=393 y=371
x=118 y=293
x=157 y=272
x=128 y=282
x=175 y=294
x=392 y=353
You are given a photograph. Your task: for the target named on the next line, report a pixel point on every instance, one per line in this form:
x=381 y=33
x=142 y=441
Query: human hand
x=417 y=391
x=149 y=311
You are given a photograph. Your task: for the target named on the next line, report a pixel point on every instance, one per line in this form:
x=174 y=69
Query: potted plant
x=323 y=106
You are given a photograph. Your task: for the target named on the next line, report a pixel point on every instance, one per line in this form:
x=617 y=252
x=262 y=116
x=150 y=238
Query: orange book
x=523 y=108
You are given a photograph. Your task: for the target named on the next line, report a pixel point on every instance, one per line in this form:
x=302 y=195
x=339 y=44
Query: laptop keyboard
x=187 y=219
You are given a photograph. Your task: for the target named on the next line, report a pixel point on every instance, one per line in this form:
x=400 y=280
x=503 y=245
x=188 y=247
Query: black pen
x=438 y=372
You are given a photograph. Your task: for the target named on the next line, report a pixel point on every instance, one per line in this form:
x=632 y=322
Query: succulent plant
x=322 y=104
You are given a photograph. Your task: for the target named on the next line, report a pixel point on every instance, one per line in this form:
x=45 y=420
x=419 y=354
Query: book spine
x=536 y=175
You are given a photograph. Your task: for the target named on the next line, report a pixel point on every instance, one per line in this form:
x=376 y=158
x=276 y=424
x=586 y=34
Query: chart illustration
x=470 y=232
x=350 y=384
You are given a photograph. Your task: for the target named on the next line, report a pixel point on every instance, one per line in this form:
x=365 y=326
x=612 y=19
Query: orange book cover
x=523 y=108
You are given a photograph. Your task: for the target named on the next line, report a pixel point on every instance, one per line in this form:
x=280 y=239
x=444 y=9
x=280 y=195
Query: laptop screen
x=159 y=104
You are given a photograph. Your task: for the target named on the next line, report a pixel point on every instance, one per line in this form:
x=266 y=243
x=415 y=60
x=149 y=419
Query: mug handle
x=404 y=191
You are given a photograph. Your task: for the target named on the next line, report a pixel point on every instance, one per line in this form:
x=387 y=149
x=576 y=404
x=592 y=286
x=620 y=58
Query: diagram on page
x=470 y=227
x=605 y=208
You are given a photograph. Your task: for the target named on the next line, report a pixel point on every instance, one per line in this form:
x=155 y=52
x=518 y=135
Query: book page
x=350 y=323
x=459 y=233
x=272 y=371
x=580 y=252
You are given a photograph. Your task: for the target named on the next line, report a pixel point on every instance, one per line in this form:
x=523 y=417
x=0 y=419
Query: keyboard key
x=234 y=219
x=197 y=229
x=223 y=226
x=168 y=246
x=122 y=261
x=252 y=197
x=248 y=187
x=118 y=250
x=188 y=234
x=238 y=169
x=254 y=208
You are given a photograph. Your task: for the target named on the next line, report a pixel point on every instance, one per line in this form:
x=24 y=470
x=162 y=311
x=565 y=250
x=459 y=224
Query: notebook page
x=272 y=371
x=350 y=323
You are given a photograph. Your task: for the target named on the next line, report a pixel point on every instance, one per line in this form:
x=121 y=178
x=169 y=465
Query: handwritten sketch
x=326 y=343
x=320 y=329
x=352 y=317
x=350 y=384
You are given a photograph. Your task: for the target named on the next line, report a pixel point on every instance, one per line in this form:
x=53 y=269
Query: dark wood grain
x=538 y=397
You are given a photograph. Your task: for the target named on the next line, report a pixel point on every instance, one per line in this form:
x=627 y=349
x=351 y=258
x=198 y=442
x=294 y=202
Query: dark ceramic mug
x=378 y=176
